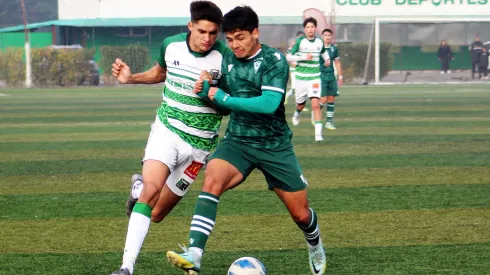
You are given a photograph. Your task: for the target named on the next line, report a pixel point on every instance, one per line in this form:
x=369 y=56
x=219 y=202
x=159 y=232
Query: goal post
x=478 y=25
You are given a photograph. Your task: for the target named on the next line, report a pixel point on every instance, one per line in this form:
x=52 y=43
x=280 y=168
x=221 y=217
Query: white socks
x=137 y=230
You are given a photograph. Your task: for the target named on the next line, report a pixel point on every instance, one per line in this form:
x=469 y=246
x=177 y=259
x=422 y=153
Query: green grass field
x=402 y=187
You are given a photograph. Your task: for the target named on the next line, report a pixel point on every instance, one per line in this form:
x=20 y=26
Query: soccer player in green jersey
x=330 y=89
x=185 y=129
x=258 y=137
x=307 y=52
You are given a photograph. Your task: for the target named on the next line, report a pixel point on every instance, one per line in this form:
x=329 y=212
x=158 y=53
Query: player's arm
x=267 y=103
x=338 y=67
x=326 y=56
x=274 y=82
x=156 y=74
x=294 y=56
x=202 y=89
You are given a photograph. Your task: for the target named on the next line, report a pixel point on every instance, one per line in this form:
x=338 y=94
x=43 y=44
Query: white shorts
x=305 y=89
x=183 y=160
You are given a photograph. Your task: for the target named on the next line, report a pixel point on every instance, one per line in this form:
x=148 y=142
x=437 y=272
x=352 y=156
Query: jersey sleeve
x=163 y=49
x=276 y=73
x=295 y=47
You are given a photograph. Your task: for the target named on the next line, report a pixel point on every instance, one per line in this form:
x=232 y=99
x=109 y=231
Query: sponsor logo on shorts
x=182 y=184
x=316 y=85
x=193 y=169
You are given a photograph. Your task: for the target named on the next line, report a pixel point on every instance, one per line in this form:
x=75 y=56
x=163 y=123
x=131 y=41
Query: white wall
x=79 y=9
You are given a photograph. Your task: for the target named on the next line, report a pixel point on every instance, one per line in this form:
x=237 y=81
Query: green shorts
x=330 y=87
x=279 y=166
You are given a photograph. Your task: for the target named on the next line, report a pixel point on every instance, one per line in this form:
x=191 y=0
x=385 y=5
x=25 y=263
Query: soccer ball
x=246 y=266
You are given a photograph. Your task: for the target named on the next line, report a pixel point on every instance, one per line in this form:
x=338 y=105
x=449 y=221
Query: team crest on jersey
x=257 y=63
x=193 y=169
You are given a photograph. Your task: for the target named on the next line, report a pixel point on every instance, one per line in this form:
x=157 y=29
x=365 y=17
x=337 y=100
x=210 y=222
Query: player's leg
x=284 y=176
x=157 y=164
x=230 y=164
x=301 y=93
x=332 y=93
x=314 y=93
x=189 y=164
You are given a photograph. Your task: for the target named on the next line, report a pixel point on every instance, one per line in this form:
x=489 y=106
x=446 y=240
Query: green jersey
x=329 y=72
x=267 y=70
x=182 y=111
x=308 y=69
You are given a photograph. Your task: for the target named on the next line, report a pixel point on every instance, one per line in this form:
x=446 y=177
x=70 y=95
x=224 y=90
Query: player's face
x=327 y=38
x=203 y=35
x=310 y=29
x=243 y=43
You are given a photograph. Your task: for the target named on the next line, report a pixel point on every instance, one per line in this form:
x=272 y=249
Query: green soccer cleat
x=184 y=261
x=317 y=259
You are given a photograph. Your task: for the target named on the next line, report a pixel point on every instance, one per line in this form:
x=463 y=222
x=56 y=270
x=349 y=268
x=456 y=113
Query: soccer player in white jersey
x=306 y=52
x=186 y=127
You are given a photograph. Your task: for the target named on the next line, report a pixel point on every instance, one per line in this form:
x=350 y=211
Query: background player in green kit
x=330 y=89
x=258 y=137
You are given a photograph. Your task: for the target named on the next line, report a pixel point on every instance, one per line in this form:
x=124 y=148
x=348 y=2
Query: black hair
x=206 y=10
x=300 y=33
x=309 y=20
x=241 y=18
x=327 y=30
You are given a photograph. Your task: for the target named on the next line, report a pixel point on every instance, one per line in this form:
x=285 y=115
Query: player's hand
x=121 y=71
x=327 y=63
x=340 y=82
x=212 y=92
x=205 y=75
x=198 y=86
x=309 y=56
x=293 y=64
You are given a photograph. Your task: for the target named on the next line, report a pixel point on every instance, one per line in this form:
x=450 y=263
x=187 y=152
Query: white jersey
x=308 y=69
x=182 y=111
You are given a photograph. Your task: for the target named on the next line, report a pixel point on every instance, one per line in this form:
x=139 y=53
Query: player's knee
x=315 y=104
x=151 y=190
x=214 y=184
x=301 y=216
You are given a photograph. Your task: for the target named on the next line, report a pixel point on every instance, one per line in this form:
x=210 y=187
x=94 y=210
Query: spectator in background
x=445 y=56
x=483 y=64
x=476 y=49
